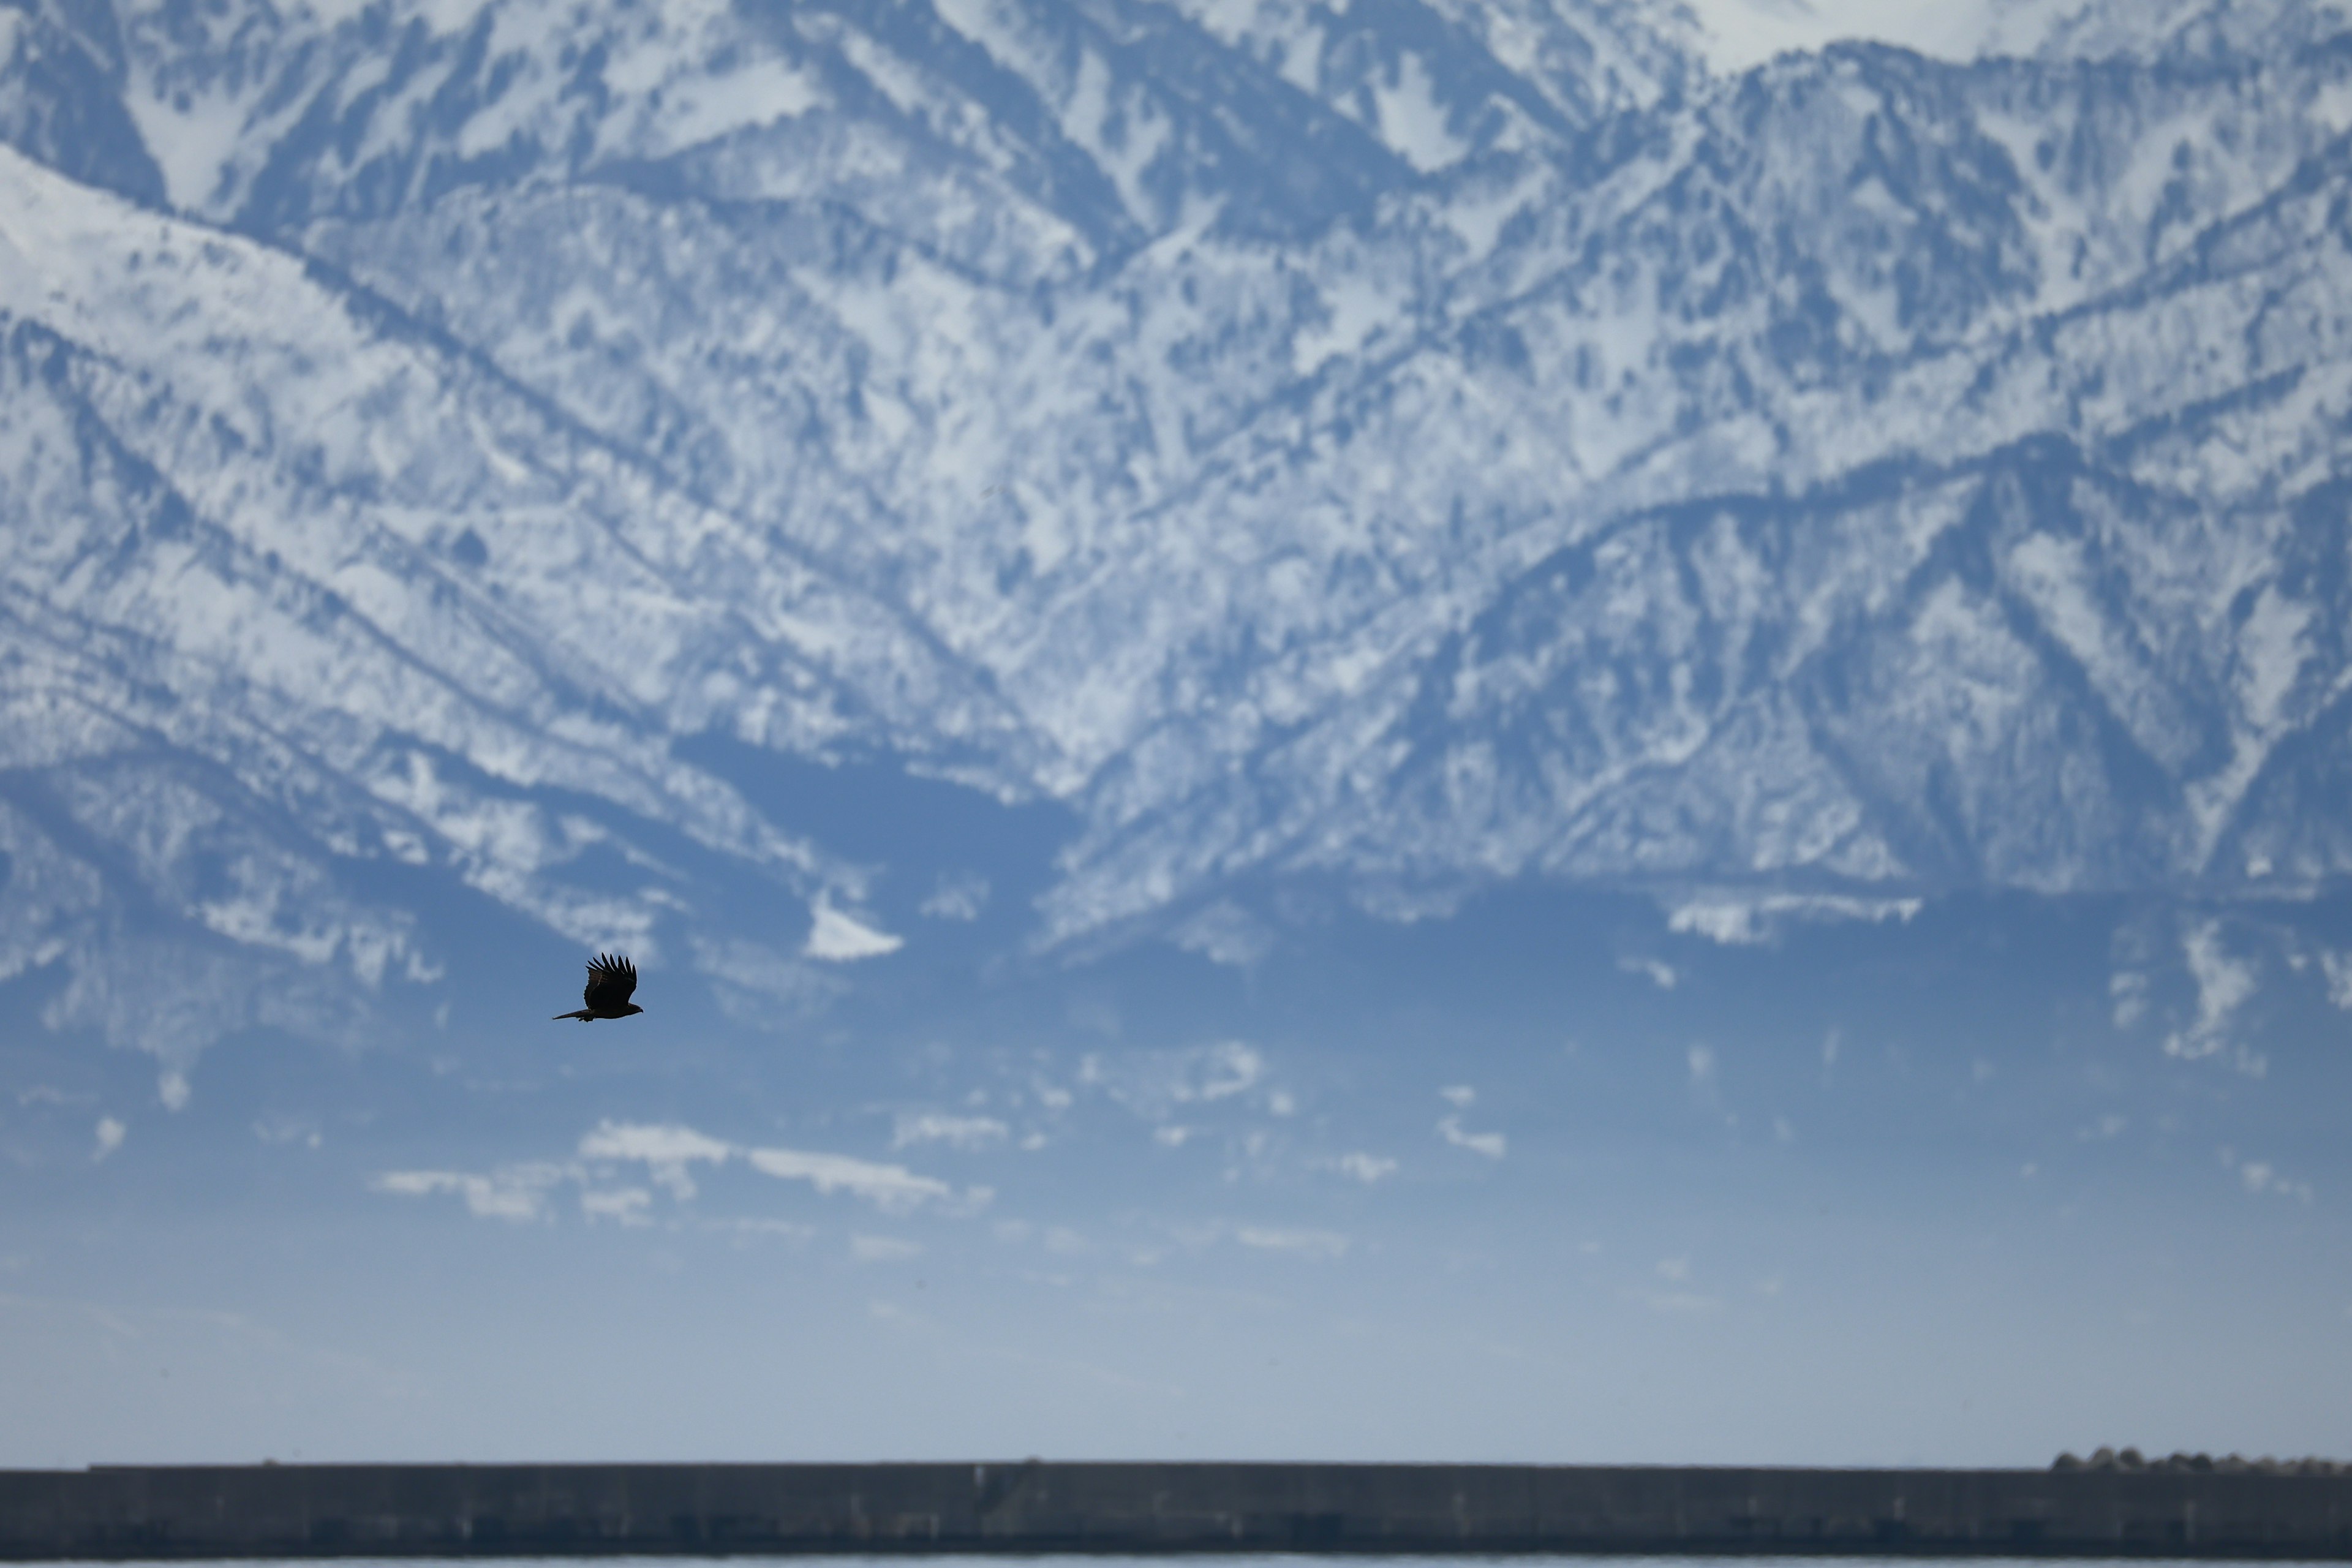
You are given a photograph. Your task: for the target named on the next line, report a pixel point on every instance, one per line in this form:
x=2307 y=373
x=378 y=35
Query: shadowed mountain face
x=1404 y=447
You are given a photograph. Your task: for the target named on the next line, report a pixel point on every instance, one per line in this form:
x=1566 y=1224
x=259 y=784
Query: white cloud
x=1153 y=1084
x=1226 y=934
x=1491 y=1144
x=759 y=985
x=1365 y=1168
x=651 y=1143
x=626 y=1205
x=837 y=938
x=1230 y=1068
x=110 y=1134
x=967 y=1132
x=2224 y=984
x=1661 y=973
x=1460 y=1095
x=172 y=1088
x=1321 y=1244
x=891 y=1188
x=2127 y=989
x=1744 y=919
x=667 y=1151
x=1678 y=1269
x=956 y=898
x=1172 y=1136
x=283 y=1129
x=516 y=1192
x=2257 y=1176
x=662 y=1143
x=2337 y=966
x=883 y=1249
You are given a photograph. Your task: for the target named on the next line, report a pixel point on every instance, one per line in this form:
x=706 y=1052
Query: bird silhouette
x=610 y=982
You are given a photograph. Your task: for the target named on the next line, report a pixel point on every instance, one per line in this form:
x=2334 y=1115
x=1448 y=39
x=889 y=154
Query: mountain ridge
x=1340 y=452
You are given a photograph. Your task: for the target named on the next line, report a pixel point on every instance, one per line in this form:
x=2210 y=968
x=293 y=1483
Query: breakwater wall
x=324 y=1511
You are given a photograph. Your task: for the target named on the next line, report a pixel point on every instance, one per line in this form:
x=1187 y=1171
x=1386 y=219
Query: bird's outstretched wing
x=610 y=981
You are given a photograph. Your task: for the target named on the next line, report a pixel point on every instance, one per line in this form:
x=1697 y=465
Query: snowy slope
x=1415 y=444
x=291 y=585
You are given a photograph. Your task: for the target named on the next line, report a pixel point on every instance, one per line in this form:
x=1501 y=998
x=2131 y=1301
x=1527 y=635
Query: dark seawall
x=316 y=1511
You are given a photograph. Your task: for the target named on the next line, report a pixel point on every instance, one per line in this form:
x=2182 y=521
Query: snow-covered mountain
x=1412 y=442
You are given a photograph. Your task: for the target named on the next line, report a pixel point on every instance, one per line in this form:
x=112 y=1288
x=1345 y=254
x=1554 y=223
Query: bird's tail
x=584 y=1014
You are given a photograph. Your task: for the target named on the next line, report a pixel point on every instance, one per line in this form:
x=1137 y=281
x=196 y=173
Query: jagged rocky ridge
x=1416 y=443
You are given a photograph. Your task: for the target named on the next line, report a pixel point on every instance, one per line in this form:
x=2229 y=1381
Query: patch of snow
x=1411 y=119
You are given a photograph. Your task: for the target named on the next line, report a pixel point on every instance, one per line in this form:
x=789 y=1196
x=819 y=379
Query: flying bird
x=610 y=982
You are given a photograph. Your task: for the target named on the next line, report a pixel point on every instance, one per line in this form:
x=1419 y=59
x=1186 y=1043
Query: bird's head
x=629 y=1007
